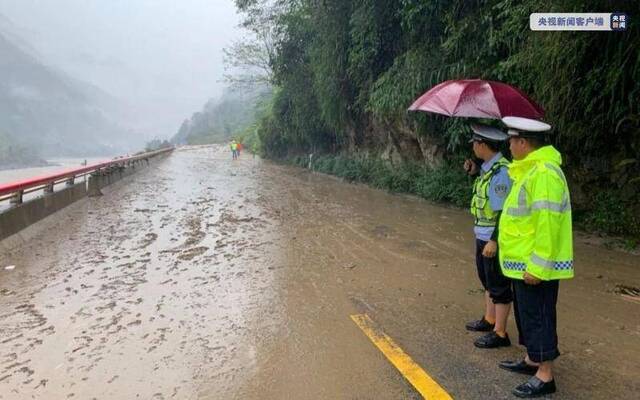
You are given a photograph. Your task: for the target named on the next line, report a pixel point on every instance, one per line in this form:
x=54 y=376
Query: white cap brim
x=525 y=125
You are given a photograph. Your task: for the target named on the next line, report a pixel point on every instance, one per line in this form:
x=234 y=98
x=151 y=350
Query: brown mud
x=203 y=278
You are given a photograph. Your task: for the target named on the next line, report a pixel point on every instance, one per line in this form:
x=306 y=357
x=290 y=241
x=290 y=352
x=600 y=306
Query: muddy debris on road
x=206 y=278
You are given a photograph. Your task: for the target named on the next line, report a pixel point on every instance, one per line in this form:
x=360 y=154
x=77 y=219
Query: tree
x=249 y=62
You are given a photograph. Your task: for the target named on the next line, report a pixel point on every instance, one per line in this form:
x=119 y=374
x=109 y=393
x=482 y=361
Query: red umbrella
x=479 y=99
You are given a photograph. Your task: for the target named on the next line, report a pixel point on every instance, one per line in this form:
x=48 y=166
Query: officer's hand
x=470 y=167
x=490 y=249
x=530 y=279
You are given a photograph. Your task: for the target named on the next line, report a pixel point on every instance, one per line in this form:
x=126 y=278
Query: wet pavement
x=203 y=278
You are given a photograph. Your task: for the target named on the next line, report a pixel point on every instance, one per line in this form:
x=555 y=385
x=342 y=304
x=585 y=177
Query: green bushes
x=610 y=215
x=446 y=184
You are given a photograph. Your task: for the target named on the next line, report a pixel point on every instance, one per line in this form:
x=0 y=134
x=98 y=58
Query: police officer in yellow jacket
x=536 y=249
x=489 y=192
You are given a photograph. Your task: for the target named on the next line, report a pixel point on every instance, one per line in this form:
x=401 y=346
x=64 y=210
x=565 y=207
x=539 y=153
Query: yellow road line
x=420 y=380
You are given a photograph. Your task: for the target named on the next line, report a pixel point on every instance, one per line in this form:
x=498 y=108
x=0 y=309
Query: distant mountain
x=51 y=113
x=13 y=155
x=224 y=118
x=14 y=35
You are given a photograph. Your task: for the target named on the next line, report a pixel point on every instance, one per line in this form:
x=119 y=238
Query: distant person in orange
x=239 y=148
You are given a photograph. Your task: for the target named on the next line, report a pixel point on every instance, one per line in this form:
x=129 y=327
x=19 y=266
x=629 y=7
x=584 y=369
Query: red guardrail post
x=15 y=191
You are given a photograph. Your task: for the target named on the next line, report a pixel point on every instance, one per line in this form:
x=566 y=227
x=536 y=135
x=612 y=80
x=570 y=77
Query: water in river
x=56 y=164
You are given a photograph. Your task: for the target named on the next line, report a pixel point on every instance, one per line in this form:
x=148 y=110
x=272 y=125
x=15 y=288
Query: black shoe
x=534 y=387
x=491 y=341
x=480 y=325
x=521 y=367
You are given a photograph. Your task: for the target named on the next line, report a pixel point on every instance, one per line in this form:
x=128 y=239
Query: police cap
x=523 y=127
x=486 y=133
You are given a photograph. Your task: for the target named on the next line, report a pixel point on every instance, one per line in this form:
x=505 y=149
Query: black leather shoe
x=534 y=387
x=480 y=325
x=492 y=341
x=521 y=367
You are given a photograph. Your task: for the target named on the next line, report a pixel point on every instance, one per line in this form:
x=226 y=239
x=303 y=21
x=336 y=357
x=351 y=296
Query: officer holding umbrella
x=534 y=230
x=489 y=192
x=477 y=98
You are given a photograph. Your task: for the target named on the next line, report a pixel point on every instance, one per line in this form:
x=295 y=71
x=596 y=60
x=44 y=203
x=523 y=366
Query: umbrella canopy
x=477 y=98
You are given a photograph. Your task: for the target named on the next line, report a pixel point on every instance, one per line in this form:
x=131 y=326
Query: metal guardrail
x=15 y=191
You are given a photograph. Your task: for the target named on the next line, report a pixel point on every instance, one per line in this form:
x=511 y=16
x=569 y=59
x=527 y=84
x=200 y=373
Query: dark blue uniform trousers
x=535 y=309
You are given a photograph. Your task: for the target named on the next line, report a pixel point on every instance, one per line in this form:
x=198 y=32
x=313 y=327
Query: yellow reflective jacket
x=535 y=226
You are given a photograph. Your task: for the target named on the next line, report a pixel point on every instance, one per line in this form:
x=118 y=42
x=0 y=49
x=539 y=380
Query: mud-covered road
x=203 y=278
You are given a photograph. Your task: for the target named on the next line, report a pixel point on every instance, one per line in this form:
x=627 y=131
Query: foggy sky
x=162 y=57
